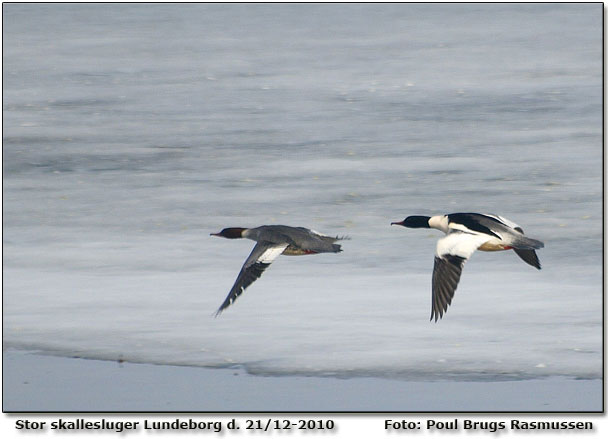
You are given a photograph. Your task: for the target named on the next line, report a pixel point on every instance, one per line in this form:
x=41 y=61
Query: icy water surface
x=131 y=132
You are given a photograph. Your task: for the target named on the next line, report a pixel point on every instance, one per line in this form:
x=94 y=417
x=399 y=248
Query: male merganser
x=273 y=241
x=465 y=233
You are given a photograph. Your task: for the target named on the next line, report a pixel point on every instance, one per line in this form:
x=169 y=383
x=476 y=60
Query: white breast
x=460 y=244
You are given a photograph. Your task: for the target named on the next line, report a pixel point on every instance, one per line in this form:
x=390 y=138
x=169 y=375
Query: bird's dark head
x=231 y=233
x=415 y=222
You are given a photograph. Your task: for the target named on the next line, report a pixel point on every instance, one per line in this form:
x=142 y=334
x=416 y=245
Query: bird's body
x=272 y=241
x=465 y=233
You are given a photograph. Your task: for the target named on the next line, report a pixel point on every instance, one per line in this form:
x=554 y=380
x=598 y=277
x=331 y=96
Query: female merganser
x=273 y=241
x=465 y=233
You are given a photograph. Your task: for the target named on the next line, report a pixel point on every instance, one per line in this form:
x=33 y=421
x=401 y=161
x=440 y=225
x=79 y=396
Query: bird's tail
x=336 y=238
x=525 y=243
x=336 y=248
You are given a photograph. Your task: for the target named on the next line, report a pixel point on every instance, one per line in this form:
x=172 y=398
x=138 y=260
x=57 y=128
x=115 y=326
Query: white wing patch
x=503 y=220
x=462 y=228
x=271 y=253
x=460 y=244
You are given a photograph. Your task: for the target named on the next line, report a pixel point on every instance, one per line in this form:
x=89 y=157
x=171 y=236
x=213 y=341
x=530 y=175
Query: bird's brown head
x=230 y=233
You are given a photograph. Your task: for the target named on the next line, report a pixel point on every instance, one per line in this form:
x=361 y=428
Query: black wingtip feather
x=246 y=277
x=446 y=275
x=529 y=257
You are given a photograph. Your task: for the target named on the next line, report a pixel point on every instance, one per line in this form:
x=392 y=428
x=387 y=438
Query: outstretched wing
x=528 y=256
x=453 y=251
x=259 y=260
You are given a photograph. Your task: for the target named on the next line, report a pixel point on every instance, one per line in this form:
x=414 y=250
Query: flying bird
x=273 y=241
x=465 y=233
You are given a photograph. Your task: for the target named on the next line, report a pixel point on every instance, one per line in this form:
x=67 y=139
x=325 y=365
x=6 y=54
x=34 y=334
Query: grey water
x=133 y=131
